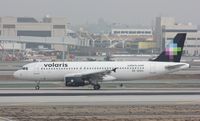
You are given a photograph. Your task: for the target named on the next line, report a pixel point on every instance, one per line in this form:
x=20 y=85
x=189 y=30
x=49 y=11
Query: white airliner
x=91 y=73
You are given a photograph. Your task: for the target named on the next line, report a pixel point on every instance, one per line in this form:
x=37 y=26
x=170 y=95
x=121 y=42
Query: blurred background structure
x=54 y=38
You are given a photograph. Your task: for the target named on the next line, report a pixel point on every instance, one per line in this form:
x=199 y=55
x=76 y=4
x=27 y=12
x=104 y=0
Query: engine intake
x=75 y=82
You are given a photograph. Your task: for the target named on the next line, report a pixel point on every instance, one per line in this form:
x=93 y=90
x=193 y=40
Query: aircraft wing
x=170 y=67
x=96 y=75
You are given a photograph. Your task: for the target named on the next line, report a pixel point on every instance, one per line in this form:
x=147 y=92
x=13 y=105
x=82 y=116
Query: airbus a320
x=76 y=74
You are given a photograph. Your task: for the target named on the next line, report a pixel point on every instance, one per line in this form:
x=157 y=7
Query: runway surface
x=104 y=92
x=100 y=97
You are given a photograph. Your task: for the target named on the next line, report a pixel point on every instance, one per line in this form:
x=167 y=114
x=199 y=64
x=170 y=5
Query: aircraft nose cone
x=16 y=74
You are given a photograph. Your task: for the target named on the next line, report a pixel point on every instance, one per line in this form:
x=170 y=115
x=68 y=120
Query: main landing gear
x=37 y=86
x=96 y=86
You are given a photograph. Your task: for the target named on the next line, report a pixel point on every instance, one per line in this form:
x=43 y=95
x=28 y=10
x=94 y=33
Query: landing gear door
x=153 y=68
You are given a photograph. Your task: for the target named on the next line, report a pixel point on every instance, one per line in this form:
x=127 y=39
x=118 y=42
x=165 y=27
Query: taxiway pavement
x=99 y=97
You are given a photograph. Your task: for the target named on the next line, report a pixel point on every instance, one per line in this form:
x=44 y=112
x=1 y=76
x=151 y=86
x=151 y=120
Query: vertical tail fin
x=174 y=50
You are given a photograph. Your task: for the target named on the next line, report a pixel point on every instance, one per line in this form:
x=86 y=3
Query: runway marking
x=95 y=93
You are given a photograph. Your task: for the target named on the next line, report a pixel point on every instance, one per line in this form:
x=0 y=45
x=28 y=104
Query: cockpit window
x=25 y=68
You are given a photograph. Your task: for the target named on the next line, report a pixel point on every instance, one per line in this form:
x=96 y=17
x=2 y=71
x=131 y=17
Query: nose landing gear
x=37 y=86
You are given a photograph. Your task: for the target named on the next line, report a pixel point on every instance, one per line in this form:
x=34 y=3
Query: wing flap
x=92 y=74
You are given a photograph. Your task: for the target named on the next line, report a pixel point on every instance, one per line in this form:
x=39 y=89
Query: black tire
x=37 y=87
x=96 y=87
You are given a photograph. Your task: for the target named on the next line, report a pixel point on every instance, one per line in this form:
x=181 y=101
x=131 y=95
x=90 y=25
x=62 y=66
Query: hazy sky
x=132 y=12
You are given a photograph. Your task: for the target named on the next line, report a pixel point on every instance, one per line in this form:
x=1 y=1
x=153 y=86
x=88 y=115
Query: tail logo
x=172 y=50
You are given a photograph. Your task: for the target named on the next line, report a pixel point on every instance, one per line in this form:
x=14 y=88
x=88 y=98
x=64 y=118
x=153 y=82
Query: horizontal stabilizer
x=170 y=67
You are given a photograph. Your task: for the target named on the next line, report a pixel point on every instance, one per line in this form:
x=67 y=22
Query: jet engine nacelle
x=75 y=82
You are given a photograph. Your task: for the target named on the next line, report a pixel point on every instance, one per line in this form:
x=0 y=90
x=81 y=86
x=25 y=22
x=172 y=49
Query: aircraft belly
x=126 y=75
x=130 y=75
x=53 y=76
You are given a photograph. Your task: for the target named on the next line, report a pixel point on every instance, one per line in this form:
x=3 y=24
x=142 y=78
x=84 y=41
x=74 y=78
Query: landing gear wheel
x=37 y=87
x=96 y=87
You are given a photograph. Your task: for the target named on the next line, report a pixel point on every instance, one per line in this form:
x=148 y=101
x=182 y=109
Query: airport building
x=121 y=37
x=135 y=32
x=29 y=26
x=131 y=41
x=166 y=29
